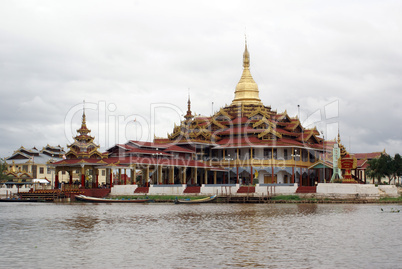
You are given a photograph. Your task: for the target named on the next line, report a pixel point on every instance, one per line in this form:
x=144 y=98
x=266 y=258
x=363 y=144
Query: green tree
x=3 y=169
x=397 y=167
x=380 y=167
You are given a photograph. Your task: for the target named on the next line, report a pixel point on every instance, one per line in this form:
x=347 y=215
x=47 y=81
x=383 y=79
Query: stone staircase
x=246 y=189
x=141 y=190
x=192 y=189
x=306 y=189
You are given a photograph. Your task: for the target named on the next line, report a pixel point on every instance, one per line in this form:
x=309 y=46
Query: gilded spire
x=246 y=90
x=189 y=114
x=246 y=57
x=83 y=130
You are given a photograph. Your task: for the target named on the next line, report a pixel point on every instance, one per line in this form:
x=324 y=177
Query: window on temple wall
x=275 y=154
x=25 y=168
x=305 y=155
x=103 y=172
x=63 y=172
x=312 y=157
x=41 y=170
x=285 y=154
x=48 y=170
x=267 y=153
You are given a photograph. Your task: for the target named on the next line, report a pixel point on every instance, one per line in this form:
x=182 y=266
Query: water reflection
x=81 y=223
x=199 y=236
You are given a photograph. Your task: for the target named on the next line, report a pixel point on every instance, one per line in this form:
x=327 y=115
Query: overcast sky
x=341 y=61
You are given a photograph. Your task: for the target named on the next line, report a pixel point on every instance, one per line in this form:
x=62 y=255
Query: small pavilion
x=160 y=164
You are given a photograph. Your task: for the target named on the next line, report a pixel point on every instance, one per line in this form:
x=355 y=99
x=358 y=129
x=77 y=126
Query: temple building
x=244 y=143
x=24 y=164
x=252 y=142
x=136 y=162
x=82 y=159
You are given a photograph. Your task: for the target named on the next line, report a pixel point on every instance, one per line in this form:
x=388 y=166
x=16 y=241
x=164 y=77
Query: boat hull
x=196 y=201
x=89 y=199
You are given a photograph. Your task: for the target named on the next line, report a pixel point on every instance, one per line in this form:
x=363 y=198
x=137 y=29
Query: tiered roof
x=33 y=155
x=83 y=146
x=246 y=122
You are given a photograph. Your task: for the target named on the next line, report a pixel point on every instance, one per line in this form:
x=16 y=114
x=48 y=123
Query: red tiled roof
x=369 y=156
x=285 y=132
x=149 y=144
x=240 y=120
x=241 y=130
x=174 y=148
x=364 y=165
x=360 y=162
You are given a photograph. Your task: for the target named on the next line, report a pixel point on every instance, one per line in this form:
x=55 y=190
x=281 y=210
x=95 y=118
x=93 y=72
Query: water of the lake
x=78 y=235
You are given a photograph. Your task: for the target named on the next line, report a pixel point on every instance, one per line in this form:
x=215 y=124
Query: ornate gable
x=259 y=113
x=264 y=123
x=270 y=133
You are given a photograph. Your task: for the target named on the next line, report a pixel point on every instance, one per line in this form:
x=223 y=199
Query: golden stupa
x=246 y=90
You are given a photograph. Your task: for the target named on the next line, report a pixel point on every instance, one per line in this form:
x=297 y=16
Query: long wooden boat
x=90 y=199
x=195 y=201
x=7 y=200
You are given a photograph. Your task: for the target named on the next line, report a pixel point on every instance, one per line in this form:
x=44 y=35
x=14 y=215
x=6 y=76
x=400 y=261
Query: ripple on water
x=199 y=236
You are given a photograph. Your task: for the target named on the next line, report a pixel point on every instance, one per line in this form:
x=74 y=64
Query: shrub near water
x=286 y=197
x=391 y=199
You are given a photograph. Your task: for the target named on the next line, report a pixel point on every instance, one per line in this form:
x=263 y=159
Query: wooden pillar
x=147 y=176
x=272 y=175
x=251 y=175
x=171 y=174
x=215 y=177
x=71 y=176
x=195 y=175
x=111 y=177
x=83 y=177
x=125 y=176
x=293 y=174
x=97 y=178
x=119 y=177
x=83 y=181
x=160 y=174
x=132 y=171
x=56 y=181
x=301 y=176
x=205 y=176
x=184 y=175
x=308 y=177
